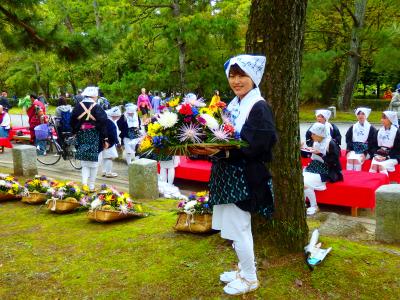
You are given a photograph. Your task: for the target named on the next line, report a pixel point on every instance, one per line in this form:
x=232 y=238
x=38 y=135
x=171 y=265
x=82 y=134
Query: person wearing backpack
x=63 y=118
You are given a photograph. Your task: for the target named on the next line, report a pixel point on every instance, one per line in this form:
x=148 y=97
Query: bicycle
x=55 y=150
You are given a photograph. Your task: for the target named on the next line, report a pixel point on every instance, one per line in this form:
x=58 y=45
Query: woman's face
x=240 y=84
x=385 y=121
x=361 y=117
x=321 y=119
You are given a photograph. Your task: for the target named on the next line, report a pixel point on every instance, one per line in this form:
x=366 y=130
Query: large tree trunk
x=353 y=64
x=280 y=36
x=181 y=48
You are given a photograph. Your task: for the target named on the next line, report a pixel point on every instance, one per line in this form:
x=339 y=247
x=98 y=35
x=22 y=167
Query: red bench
x=198 y=170
x=357 y=190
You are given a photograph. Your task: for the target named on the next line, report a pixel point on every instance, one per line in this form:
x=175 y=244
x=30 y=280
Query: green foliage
x=374 y=104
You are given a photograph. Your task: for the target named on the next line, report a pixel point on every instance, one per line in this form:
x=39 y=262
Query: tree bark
x=280 y=36
x=354 y=55
x=181 y=47
x=96 y=14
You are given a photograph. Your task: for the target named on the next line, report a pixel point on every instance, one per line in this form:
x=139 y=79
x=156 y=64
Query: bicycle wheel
x=76 y=163
x=52 y=154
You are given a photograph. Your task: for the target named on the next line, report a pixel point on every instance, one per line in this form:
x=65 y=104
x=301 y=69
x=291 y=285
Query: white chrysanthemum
x=167 y=119
x=220 y=135
x=190 y=205
x=2 y=182
x=211 y=122
x=96 y=203
x=190 y=132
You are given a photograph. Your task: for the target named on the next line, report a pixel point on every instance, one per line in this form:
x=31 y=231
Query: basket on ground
x=198 y=223
x=62 y=206
x=35 y=198
x=106 y=216
x=9 y=197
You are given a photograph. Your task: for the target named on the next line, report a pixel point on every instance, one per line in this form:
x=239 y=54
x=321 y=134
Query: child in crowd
x=129 y=125
x=111 y=152
x=359 y=140
x=324 y=165
x=386 y=148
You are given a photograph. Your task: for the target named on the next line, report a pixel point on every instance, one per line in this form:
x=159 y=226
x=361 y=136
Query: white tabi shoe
x=230 y=276
x=241 y=286
x=312 y=210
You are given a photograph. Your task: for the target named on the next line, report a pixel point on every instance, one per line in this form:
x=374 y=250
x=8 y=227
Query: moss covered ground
x=49 y=256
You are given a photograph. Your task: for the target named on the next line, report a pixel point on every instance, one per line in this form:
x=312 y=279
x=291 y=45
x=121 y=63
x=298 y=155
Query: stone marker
x=333 y=110
x=388 y=213
x=24 y=159
x=143 y=181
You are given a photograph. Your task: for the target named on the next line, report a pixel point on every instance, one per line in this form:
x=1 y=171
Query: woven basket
x=8 y=197
x=193 y=223
x=62 y=206
x=106 y=216
x=35 y=198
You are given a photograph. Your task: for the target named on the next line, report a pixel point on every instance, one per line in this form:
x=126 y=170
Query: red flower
x=221 y=104
x=186 y=110
x=229 y=128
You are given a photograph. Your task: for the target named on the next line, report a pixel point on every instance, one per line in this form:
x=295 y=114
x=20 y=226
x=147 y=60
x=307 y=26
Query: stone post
x=143 y=182
x=388 y=213
x=24 y=159
x=333 y=110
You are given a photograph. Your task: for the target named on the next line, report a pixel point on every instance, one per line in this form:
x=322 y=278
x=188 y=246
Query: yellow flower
x=121 y=200
x=153 y=129
x=206 y=110
x=138 y=207
x=77 y=190
x=14 y=186
x=85 y=188
x=145 y=144
x=174 y=102
x=201 y=194
x=108 y=198
x=9 y=178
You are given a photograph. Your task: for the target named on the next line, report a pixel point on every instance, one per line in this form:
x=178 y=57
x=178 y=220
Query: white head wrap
x=365 y=110
x=324 y=112
x=252 y=65
x=392 y=116
x=318 y=129
x=114 y=112
x=91 y=91
x=130 y=108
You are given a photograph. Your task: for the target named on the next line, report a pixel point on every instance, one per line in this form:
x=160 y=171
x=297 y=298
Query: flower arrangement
x=112 y=200
x=9 y=185
x=178 y=128
x=40 y=184
x=66 y=190
x=197 y=203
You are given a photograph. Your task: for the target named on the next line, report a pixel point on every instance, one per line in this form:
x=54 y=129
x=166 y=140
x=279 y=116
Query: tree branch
x=30 y=30
x=152 y=5
x=355 y=20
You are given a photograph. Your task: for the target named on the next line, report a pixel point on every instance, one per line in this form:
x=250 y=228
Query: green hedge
x=374 y=104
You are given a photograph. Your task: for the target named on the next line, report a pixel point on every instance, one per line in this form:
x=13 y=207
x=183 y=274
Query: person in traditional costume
x=324 y=166
x=332 y=131
x=359 y=140
x=33 y=115
x=386 y=148
x=113 y=114
x=5 y=122
x=88 y=122
x=240 y=183
x=129 y=126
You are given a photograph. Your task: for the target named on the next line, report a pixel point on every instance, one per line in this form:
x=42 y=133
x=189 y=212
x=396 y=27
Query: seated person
x=322 y=116
x=359 y=140
x=386 y=148
x=324 y=165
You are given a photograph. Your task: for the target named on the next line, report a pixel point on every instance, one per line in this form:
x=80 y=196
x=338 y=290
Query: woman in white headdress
x=88 y=122
x=332 y=131
x=324 y=166
x=129 y=125
x=240 y=183
x=386 y=149
x=111 y=153
x=359 y=140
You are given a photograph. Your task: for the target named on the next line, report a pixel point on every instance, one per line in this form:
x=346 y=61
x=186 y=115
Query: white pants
x=354 y=161
x=89 y=173
x=167 y=171
x=235 y=225
x=107 y=165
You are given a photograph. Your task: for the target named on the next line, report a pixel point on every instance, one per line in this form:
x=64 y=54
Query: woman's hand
x=380 y=158
x=106 y=145
x=315 y=151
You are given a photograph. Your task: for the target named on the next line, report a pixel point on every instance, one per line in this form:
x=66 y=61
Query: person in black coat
x=111 y=152
x=359 y=140
x=322 y=116
x=88 y=122
x=324 y=166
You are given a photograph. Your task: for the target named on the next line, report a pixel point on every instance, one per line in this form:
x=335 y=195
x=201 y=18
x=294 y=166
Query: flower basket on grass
x=188 y=129
x=37 y=190
x=110 y=205
x=10 y=189
x=194 y=215
x=65 y=197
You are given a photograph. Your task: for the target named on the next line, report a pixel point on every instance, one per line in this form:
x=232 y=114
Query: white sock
x=310 y=194
x=384 y=172
x=107 y=165
x=245 y=253
x=171 y=175
x=163 y=174
x=128 y=158
x=85 y=175
x=357 y=167
x=349 y=166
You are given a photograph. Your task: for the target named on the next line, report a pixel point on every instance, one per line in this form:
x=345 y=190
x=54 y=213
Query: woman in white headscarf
x=111 y=153
x=129 y=125
x=359 y=140
x=324 y=166
x=386 y=148
x=240 y=183
x=322 y=116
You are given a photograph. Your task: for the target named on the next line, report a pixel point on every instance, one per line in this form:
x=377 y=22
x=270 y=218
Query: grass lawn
x=43 y=255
